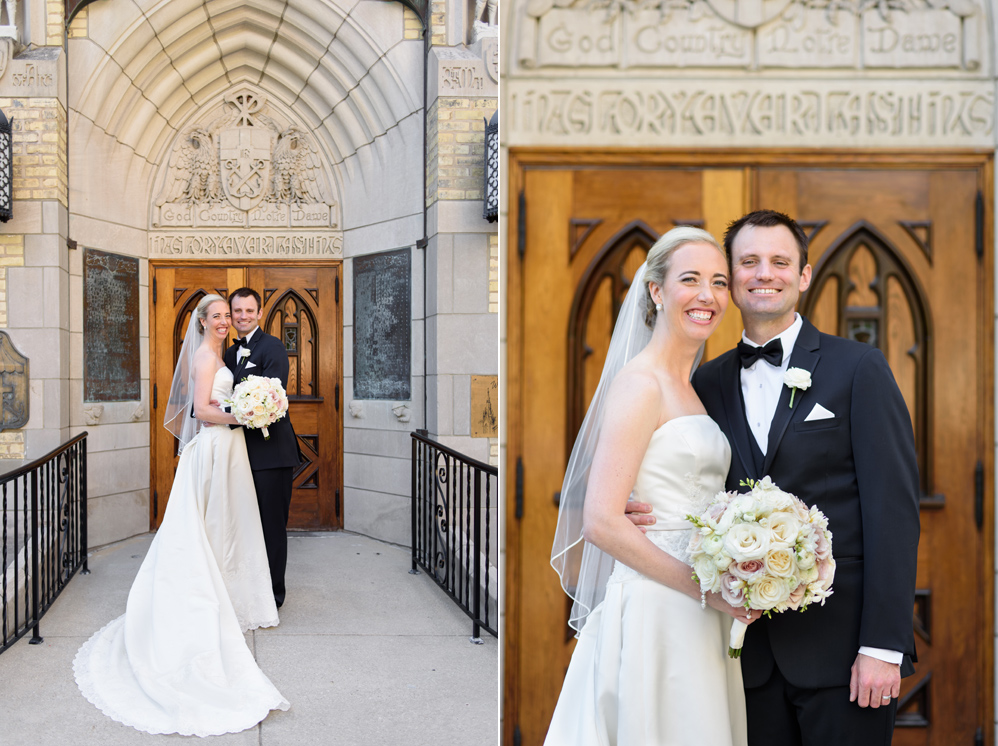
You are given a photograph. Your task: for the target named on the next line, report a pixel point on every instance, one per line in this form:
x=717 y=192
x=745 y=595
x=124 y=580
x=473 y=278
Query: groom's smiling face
x=766 y=277
x=245 y=314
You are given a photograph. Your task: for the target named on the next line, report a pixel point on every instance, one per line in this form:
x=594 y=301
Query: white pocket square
x=253 y=365
x=819 y=413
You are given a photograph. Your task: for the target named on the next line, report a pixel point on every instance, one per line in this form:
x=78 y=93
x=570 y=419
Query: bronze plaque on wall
x=484 y=406
x=382 y=326
x=110 y=327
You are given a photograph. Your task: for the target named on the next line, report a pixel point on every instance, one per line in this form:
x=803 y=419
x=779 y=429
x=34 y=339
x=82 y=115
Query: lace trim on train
x=675 y=543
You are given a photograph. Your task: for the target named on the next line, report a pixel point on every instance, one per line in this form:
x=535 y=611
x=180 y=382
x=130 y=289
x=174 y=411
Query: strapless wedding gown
x=651 y=667
x=177 y=661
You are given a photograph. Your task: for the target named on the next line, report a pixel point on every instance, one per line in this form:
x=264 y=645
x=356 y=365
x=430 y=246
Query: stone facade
x=103 y=151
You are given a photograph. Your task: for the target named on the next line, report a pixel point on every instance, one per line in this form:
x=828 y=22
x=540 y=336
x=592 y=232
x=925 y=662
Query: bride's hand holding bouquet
x=259 y=402
x=764 y=550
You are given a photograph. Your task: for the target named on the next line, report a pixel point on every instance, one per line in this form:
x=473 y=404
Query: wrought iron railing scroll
x=454 y=528
x=43 y=536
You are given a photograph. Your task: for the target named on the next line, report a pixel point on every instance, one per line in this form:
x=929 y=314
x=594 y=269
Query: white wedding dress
x=177 y=661
x=651 y=667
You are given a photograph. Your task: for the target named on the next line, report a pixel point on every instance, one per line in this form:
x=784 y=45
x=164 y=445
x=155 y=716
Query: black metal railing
x=43 y=537
x=454 y=526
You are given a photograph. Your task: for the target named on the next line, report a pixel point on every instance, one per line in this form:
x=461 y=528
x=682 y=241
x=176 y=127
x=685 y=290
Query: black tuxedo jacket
x=270 y=360
x=858 y=467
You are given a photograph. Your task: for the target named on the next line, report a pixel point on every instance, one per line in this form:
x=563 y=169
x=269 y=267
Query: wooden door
x=586 y=223
x=302 y=308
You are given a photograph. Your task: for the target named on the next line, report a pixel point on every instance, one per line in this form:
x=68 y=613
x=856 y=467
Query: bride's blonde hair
x=202 y=310
x=657 y=263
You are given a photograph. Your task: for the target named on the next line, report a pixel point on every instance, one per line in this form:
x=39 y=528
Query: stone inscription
x=816 y=114
x=30 y=75
x=800 y=34
x=295 y=244
x=110 y=327
x=461 y=79
x=382 y=321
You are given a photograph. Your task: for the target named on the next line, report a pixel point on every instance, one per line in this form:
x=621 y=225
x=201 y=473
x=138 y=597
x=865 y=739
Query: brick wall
x=413 y=27
x=54 y=22
x=78 y=26
x=39 y=148
x=438 y=23
x=455 y=142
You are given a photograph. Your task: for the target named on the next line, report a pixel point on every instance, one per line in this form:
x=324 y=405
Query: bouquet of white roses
x=258 y=402
x=763 y=550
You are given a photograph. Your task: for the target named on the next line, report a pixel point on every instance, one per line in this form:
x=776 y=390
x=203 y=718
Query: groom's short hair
x=766 y=219
x=246 y=293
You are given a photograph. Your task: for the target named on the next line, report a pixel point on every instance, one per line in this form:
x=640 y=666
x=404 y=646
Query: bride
x=650 y=667
x=177 y=661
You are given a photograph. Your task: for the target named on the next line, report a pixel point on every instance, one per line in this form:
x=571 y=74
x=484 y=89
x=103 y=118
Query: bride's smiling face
x=694 y=294
x=216 y=323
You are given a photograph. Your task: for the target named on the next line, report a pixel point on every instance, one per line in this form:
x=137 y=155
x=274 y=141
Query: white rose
x=707 y=573
x=797 y=378
x=770 y=592
x=722 y=561
x=747 y=541
x=712 y=544
x=780 y=562
x=785 y=528
x=766 y=483
x=805 y=559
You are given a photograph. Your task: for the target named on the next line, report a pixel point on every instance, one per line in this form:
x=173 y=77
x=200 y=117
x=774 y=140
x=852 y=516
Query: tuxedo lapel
x=734 y=409
x=805 y=356
x=241 y=363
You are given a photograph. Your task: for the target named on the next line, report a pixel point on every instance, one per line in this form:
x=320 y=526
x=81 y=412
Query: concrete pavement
x=367 y=654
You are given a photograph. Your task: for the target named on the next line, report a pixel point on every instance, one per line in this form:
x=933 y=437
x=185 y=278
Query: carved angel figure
x=194 y=170
x=295 y=170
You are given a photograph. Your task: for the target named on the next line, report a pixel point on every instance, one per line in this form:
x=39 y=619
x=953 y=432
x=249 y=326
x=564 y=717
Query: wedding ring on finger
x=886 y=698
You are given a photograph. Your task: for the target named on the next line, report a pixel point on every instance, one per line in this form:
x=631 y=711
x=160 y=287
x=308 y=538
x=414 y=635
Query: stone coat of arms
x=245 y=169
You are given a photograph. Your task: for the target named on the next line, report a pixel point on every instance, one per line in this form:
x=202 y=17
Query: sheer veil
x=583 y=568
x=179 y=418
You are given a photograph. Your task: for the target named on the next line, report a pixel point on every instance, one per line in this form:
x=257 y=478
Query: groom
x=829 y=676
x=273 y=461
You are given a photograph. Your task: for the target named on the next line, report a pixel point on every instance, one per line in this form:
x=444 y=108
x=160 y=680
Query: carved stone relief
x=751 y=34
x=14 y=384
x=244 y=180
x=244 y=166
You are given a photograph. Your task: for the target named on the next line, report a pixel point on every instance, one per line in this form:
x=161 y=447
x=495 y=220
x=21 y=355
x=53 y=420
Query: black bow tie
x=772 y=353
x=241 y=342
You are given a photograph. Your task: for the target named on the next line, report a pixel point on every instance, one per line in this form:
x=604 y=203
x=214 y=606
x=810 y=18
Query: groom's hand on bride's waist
x=639 y=514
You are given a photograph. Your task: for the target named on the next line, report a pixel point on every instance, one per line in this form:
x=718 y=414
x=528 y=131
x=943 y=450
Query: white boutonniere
x=243 y=352
x=796 y=378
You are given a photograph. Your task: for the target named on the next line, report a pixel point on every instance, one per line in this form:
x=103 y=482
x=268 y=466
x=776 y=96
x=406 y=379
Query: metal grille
x=453 y=498
x=43 y=536
x=491 y=210
x=6 y=168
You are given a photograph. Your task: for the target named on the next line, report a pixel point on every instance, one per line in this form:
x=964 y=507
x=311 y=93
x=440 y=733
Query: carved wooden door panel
x=587 y=231
x=895 y=265
x=301 y=307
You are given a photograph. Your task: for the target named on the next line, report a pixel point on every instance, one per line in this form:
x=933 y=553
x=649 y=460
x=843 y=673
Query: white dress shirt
x=245 y=351
x=762 y=385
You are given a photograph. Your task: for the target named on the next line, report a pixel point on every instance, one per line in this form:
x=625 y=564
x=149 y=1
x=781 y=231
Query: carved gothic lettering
x=296 y=244
x=768 y=112
x=799 y=34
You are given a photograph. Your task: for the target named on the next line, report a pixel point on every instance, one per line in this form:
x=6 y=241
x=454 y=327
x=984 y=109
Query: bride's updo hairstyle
x=659 y=256
x=202 y=310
